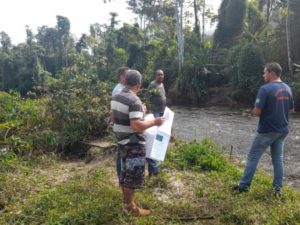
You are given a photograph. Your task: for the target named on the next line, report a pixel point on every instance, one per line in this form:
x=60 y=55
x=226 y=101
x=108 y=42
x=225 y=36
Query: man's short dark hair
x=274 y=67
x=158 y=71
x=132 y=78
x=122 y=70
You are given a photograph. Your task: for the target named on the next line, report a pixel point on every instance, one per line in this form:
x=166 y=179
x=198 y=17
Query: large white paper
x=150 y=135
x=157 y=138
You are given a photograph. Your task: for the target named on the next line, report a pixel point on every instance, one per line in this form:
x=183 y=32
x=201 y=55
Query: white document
x=157 y=138
x=150 y=135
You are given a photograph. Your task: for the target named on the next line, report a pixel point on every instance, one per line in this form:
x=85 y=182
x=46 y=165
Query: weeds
x=197 y=156
x=31 y=194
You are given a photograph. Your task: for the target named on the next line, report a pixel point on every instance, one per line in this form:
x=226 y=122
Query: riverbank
x=233 y=130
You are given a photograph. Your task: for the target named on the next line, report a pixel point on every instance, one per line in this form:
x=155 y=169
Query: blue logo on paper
x=159 y=137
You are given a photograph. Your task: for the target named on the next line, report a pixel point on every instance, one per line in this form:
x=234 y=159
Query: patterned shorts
x=133 y=159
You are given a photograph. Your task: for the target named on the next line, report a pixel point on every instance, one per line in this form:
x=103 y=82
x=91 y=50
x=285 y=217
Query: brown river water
x=234 y=130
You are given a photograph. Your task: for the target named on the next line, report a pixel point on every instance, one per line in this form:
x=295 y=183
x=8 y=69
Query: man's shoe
x=153 y=174
x=240 y=189
x=133 y=210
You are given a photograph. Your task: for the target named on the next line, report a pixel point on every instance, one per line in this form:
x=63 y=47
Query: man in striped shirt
x=129 y=125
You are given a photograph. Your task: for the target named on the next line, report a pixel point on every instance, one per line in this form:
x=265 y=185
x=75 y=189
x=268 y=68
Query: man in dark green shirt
x=158 y=105
x=157 y=94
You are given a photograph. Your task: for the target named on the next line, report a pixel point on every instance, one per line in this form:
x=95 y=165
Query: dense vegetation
x=72 y=111
x=248 y=34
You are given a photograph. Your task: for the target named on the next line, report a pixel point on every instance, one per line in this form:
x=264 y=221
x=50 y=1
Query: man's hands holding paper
x=159 y=121
x=141 y=125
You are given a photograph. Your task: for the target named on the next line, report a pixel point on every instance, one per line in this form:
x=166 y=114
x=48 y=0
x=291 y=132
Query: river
x=234 y=130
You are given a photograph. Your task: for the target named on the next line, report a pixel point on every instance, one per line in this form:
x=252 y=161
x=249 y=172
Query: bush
x=198 y=156
x=244 y=68
x=250 y=68
x=20 y=122
x=77 y=109
x=195 y=78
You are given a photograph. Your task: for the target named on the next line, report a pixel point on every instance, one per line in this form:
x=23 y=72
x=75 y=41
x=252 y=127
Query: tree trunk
x=203 y=20
x=288 y=37
x=179 y=19
x=197 y=27
x=268 y=10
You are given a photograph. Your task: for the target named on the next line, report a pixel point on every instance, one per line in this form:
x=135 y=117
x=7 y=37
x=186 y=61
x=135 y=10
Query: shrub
x=77 y=108
x=198 y=156
x=244 y=67
x=250 y=68
x=20 y=122
x=73 y=110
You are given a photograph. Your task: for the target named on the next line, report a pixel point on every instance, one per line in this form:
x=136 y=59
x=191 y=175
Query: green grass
x=194 y=187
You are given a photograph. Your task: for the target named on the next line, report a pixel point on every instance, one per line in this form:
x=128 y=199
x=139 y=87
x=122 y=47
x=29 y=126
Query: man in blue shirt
x=273 y=103
x=117 y=90
x=121 y=75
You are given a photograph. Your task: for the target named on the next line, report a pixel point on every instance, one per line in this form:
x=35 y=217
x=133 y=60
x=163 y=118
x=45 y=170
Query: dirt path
x=236 y=129
x=64 y=170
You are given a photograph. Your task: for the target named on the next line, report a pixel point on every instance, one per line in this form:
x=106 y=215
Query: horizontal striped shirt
x=126 y=106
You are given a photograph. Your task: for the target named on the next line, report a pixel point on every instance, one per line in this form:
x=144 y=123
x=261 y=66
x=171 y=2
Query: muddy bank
x=235 y=129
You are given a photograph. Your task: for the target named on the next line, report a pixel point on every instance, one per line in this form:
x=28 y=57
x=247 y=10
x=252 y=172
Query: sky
x=16 y=14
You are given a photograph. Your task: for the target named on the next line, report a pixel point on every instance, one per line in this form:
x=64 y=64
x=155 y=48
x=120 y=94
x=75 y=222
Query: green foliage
x=152 y=45
x=295 y=29
x=273 y=42
x=92 y=195
x=255 y=18
x=197 y=75
x=198 y=156
x=77 y=106
x=74 y=109
x=295 y=85
x=231 y=21
x=250 y=67
x=19 y=122
x=46 y=191
x=8 y=160
x=20 y=69
x=230 y=63
x=244 y=68
x=5 y=41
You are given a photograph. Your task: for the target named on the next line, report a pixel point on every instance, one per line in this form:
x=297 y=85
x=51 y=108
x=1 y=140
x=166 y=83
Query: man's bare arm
x=256 y=111
x=141 y=125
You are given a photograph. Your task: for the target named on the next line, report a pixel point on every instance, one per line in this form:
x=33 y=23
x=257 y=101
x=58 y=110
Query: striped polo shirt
x=127 y=106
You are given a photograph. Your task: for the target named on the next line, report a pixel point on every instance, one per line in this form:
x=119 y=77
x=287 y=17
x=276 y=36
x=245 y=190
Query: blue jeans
x=153 y=167
x=258 y=147
x=118 y=161
x=158 y=114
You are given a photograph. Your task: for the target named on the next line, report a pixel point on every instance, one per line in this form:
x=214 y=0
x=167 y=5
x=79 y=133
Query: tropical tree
x=293 y=30
x=5 y=41
x=230 y=22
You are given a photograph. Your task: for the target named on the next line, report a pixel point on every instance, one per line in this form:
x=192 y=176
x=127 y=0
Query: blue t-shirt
x=275 y=101
x=117 y=90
